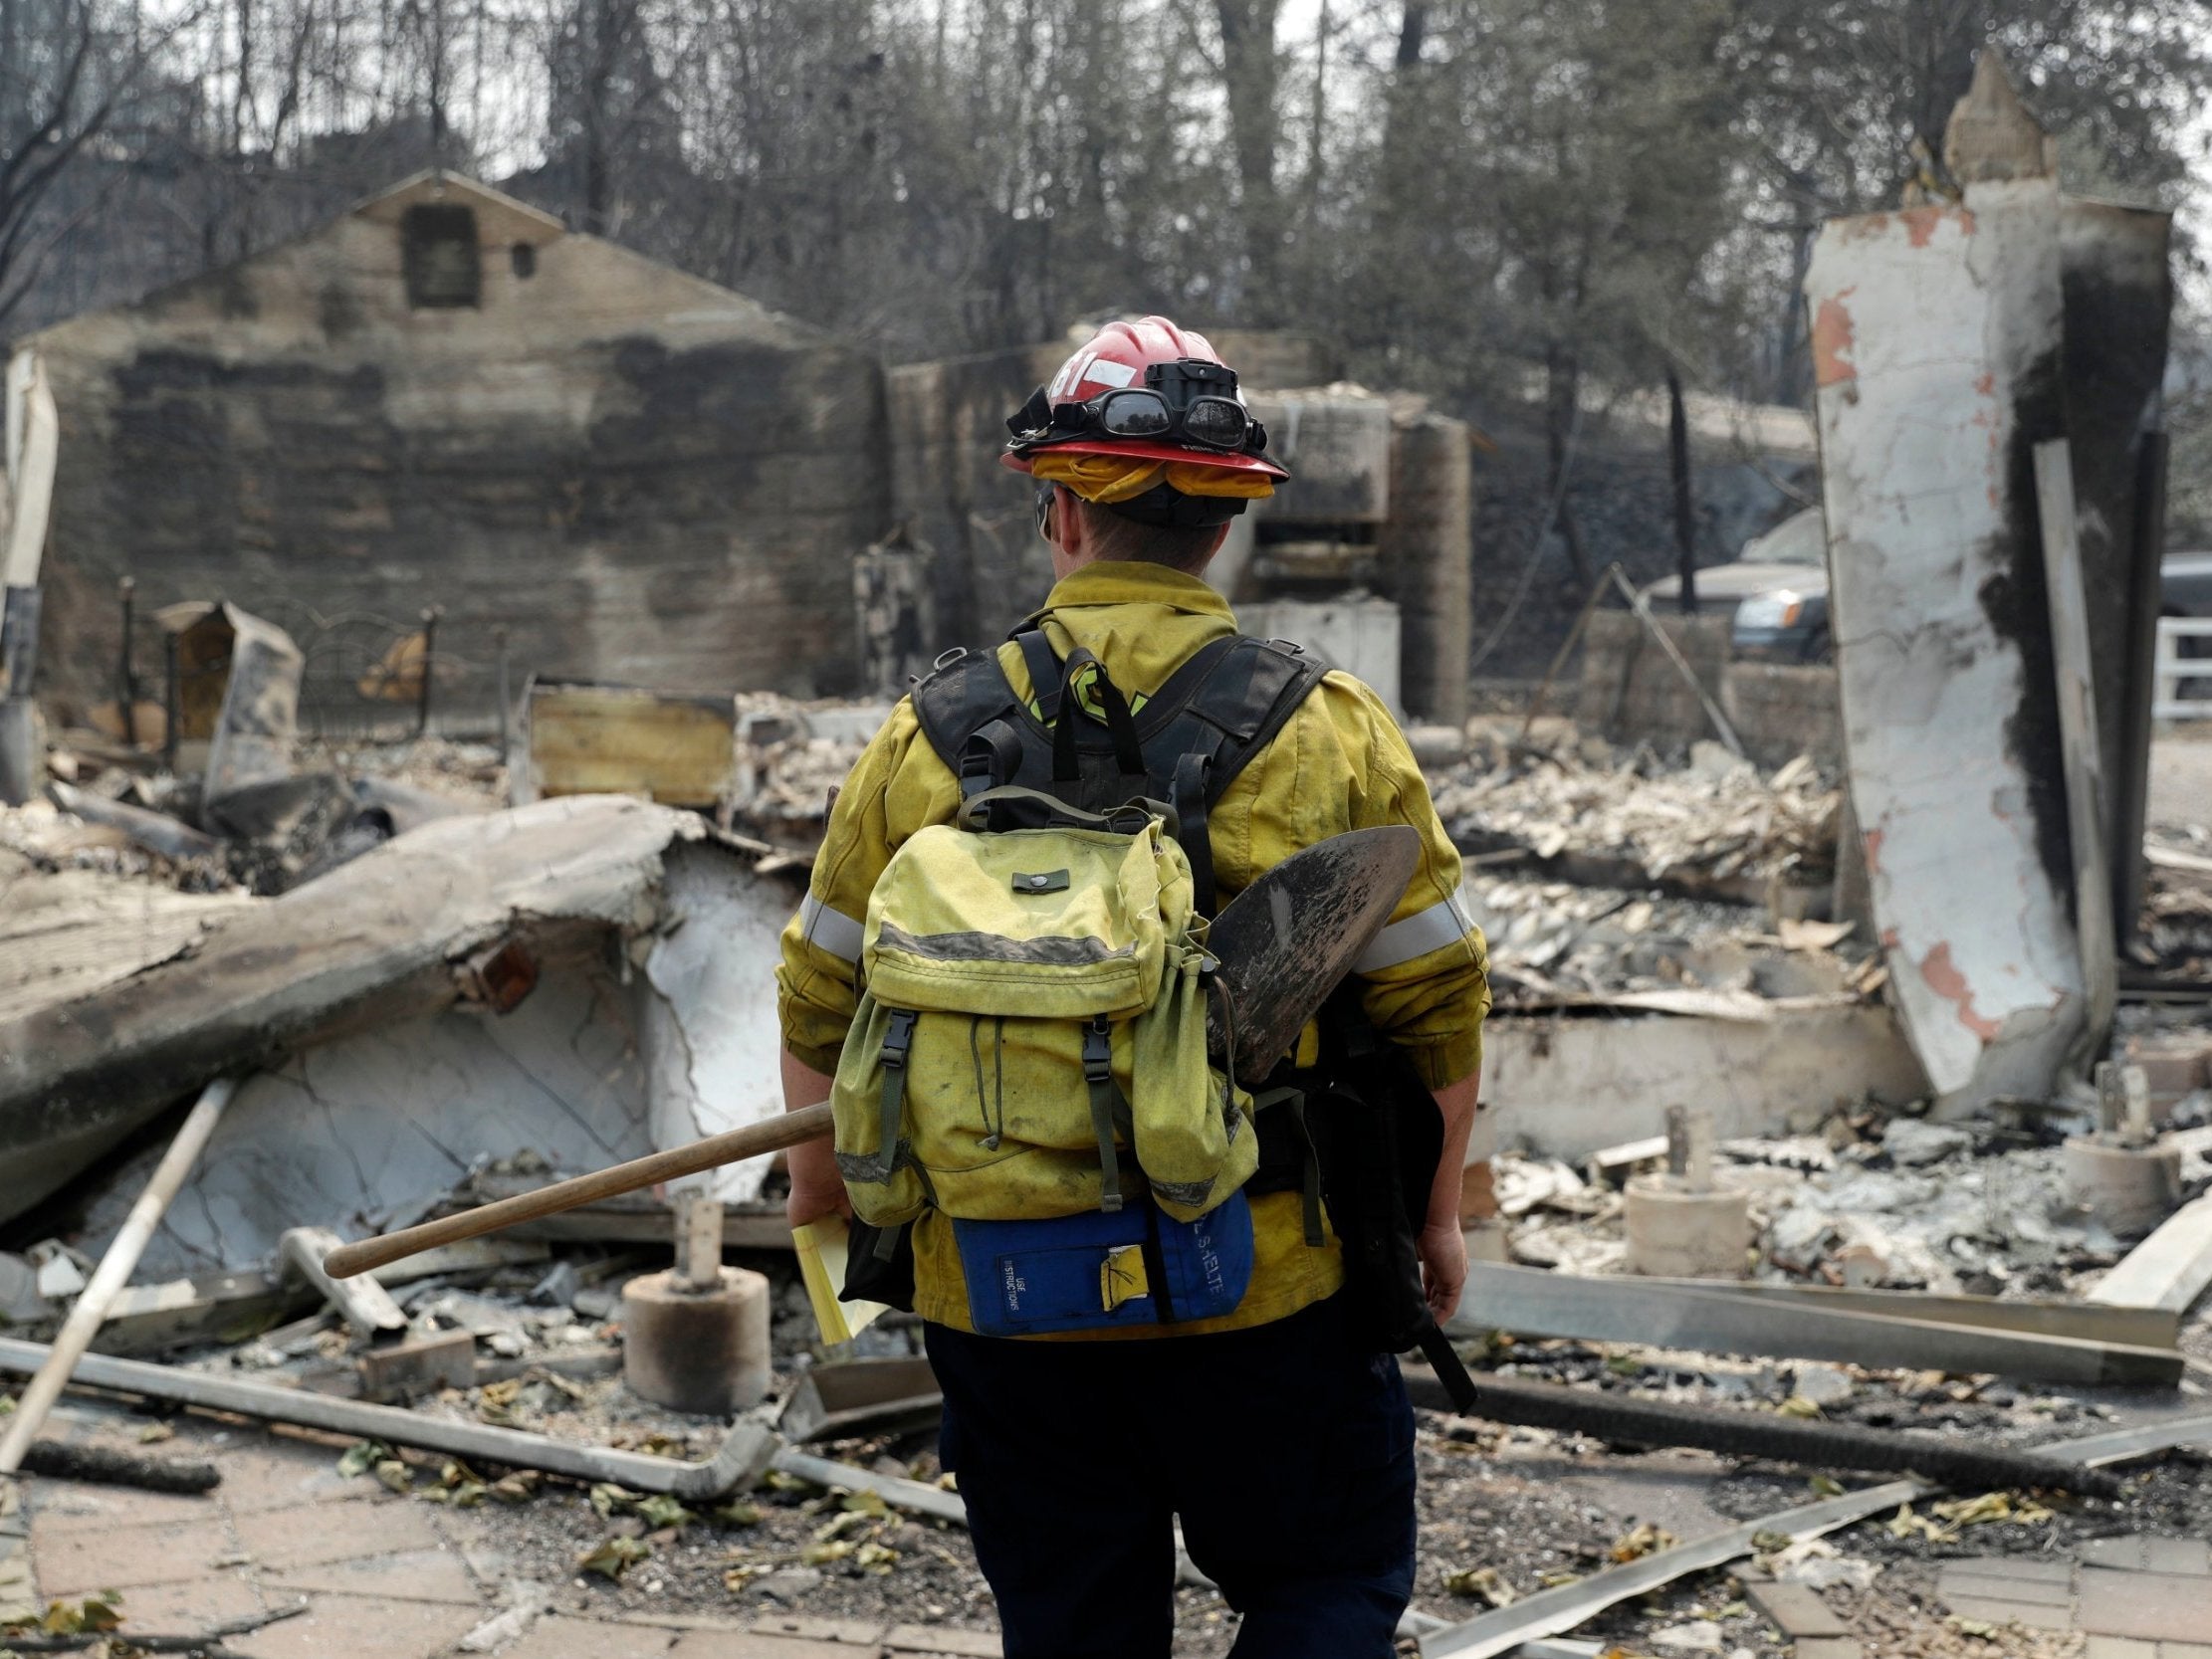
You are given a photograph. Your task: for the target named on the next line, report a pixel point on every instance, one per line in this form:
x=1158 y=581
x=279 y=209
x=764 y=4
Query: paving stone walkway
x=2133 y=1597
x=382 y=1577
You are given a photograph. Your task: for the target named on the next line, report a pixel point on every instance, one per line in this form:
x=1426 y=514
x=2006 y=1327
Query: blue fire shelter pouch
x=1103 y=1269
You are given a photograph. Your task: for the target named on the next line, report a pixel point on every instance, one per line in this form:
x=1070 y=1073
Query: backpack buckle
x=898 y=1039
x=1098 y=1052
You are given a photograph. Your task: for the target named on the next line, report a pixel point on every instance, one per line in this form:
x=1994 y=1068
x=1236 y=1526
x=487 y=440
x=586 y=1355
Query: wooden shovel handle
x=810 y=1122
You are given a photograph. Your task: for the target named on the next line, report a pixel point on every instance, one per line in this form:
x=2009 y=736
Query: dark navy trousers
x=1285 y=1450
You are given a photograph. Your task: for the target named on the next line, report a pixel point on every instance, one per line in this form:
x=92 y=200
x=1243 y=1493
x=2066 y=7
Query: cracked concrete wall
x=363 y=1133
x=1937 y=344
x=710 y=1044
x=1566 y=1085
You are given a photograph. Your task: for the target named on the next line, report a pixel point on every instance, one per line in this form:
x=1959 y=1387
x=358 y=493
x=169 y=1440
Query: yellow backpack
x=1030 y=1039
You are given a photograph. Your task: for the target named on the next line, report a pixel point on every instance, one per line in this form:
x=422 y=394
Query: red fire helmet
x=1116 y=359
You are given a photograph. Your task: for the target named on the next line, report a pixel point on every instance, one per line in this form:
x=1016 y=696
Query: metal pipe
x=430 y=615
x=126 y=676
x=114 y=1272
x=499 y=646
x=743 y=1455
x=172 y=700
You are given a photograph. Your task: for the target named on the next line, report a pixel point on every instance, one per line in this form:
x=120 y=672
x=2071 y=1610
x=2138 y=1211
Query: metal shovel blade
x=1285 y=941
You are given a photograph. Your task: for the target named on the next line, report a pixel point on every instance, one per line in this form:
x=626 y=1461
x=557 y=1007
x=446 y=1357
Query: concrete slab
x=557 y=1636
x=273 y=1472
x=852 y=1632
x=1955 y=1584
x=2029 y=1613
x=942 y=1638
x=1830 y=1647
x=1795 y=1610
x=363 y=1627
x=2028 y=1568
x=194 y=1605
x=311 y=1534
x=2141 y=1553
x=2118 y=1647
x=408 y=1575
x=2150 y=1607
x=125 y=1557
x=750 y=1644
x=1571 y=1085
x=65 y=1507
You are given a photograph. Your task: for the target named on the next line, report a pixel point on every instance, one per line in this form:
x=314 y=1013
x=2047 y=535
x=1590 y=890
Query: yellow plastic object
x=823 y=1247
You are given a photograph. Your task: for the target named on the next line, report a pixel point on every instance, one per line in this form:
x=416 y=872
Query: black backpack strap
x=1045 y=672
x=1187 y=794
x=1216 y=712
x=1121 y=725
x=970 y=714
x=1196 y=733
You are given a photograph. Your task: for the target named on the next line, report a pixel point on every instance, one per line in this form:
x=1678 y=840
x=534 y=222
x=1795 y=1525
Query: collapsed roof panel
x=375 y=944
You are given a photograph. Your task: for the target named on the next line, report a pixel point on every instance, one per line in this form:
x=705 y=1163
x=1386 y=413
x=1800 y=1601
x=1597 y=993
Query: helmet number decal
x=1087 y=365
x=1070 y=376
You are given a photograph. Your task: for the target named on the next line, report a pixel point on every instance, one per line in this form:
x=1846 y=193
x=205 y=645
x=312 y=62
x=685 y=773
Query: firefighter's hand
x=1443 y=1266
x=816 y=1187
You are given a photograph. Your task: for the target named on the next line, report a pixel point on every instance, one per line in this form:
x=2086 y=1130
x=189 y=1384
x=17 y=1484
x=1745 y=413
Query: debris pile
x=1867 y=1200
x=1715 y=828
x=794 y=756
x=240 y=801
x=2175 y=934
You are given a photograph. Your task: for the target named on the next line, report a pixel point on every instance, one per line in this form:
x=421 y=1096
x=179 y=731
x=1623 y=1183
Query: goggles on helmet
x=1190 y=402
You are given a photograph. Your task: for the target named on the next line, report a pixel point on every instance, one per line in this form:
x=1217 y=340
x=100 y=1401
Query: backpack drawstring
x=992 y=1137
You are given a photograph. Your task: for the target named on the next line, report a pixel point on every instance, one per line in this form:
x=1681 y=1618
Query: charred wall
x=644 y=478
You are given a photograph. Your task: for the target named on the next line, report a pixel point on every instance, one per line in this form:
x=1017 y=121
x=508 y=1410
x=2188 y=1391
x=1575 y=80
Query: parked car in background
x=1778 y=587
x=2185 y=584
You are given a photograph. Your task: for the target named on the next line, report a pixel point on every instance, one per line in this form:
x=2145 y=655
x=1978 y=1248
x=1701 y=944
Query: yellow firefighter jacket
x=1340 y=764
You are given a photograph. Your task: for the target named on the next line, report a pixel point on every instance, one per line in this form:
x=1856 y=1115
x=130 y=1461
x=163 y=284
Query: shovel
x=1282 y=945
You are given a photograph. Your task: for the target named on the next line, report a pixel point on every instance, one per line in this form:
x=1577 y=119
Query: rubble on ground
x=1718 y=825
x=792 y=757
x=1606 y=881
x=1867 y=1199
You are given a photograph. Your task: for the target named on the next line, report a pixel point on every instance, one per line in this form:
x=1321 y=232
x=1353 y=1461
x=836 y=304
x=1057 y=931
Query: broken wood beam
x=740 y=1461
x=362 y=1301
x=114 y=1272
x=2080 y=750
x=1531 y=1301
x=1630 y=1421
x=2170 y=1270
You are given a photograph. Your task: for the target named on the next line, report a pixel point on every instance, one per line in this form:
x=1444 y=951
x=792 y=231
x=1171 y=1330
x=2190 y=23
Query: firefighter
x=1276 y=1434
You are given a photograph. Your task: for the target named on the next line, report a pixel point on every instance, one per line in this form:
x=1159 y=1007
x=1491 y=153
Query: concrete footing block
x=418 y=1365
x=701 y=1349
x=1677 y=1233
x=2131 y=1189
